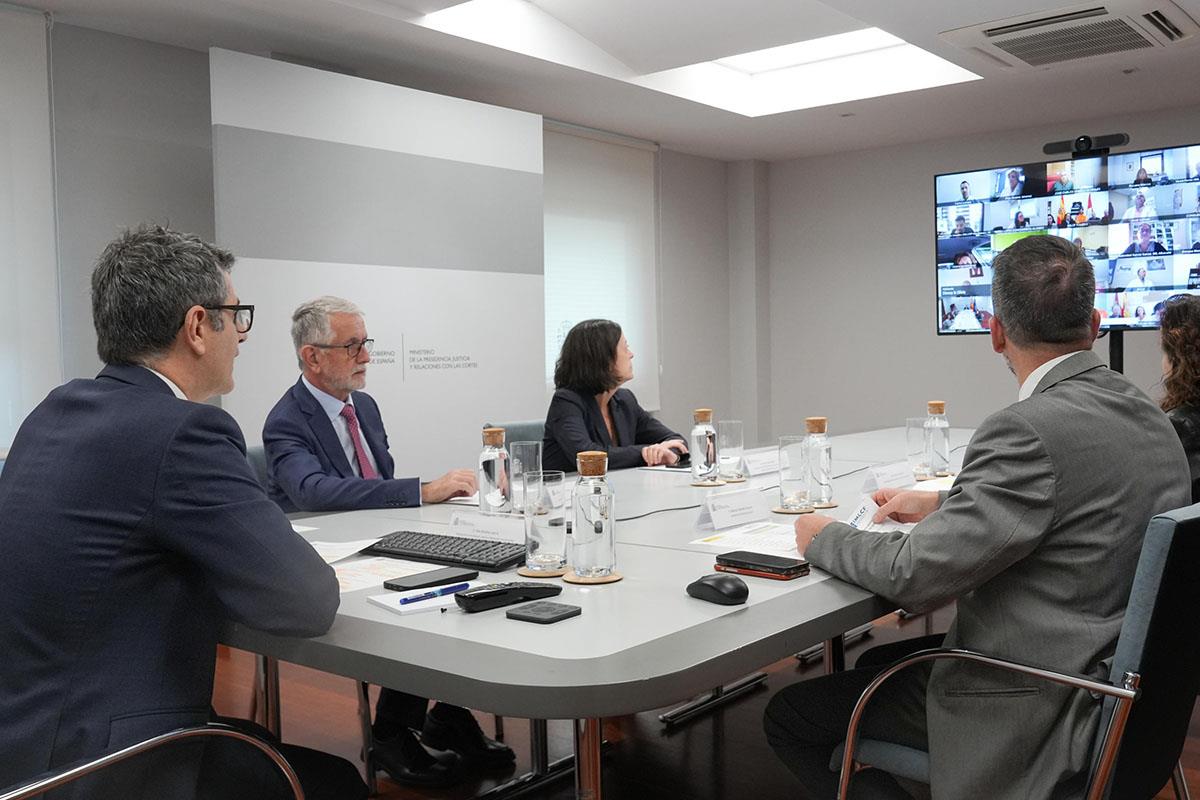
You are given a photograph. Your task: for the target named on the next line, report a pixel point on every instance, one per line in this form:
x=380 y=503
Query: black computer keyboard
x=454 y=550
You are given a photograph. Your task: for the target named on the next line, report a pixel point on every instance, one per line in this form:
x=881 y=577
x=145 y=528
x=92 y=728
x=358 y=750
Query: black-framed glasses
x=352 y=348
x=243 y=316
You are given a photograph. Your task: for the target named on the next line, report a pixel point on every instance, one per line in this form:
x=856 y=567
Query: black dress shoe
x=406 y=761
x=454 y=728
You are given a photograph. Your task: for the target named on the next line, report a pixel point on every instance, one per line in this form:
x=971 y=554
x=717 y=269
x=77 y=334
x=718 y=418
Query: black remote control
x=495 y=595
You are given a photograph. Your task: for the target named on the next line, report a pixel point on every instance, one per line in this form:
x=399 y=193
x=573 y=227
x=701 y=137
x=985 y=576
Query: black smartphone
x=684 y=462
x=543 y=612
x=761 y=564
x=437 y=577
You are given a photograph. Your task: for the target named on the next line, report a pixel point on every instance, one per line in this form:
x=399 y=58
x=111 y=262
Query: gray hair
x=310 y=322
x=1043 y=290
x=143 y=285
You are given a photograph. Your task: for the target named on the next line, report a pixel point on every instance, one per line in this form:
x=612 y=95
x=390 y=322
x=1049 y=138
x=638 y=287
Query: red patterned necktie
x=364 y=464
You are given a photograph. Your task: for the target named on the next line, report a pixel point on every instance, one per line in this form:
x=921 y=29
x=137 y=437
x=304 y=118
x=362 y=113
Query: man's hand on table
x=455 y=483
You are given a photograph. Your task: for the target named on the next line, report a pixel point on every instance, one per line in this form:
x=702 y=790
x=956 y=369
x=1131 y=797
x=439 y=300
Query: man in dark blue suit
x=133 y=528
x=327 y=450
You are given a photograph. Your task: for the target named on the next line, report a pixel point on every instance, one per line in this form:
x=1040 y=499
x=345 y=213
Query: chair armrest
x=1125 y=694
x=62 y=777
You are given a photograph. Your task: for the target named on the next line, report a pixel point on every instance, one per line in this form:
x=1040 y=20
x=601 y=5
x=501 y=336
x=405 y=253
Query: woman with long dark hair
x=590 y=411
x=1180 y=322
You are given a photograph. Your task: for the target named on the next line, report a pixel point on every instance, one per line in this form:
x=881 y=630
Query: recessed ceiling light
x=821 y=72
x=818 y=72
x=811 y=51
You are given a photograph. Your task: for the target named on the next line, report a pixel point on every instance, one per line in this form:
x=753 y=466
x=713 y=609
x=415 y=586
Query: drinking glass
x=729 y=448
x=545 y=493
x=793 y=473
x=523 y=457
x=914 y=438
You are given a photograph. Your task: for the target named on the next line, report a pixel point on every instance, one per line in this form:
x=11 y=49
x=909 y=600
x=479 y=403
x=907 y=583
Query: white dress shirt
x=170 y=383
x=1032 y=381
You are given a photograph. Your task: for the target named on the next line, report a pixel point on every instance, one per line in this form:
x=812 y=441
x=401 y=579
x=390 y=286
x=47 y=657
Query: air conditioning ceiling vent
x=1075 y=32
x=1079 y=41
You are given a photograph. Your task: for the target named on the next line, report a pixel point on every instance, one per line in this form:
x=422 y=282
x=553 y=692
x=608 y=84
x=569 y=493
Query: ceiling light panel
x=813 y=50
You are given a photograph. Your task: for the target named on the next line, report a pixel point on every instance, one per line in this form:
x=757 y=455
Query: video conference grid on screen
x=1136 y=215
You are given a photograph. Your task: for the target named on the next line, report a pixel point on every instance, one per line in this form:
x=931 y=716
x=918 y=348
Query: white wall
x=133 y=144
x=693 y=288
x=29 y=327
x=852 y=281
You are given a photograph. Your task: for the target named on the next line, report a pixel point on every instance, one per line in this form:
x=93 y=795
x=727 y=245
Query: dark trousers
x=230 y=769
x=806 y=721
x=396 y=710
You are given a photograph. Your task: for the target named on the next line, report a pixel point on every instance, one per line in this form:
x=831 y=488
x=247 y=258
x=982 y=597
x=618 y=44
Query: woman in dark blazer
x=1180 y=322
x=590 y=411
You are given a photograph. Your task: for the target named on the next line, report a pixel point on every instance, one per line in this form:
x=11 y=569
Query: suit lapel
x=370 y=422
x=623 y=420
x=596 y=419
x=322 y=429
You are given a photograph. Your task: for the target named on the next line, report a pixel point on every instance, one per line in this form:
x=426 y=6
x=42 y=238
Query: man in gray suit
x=1038 y=540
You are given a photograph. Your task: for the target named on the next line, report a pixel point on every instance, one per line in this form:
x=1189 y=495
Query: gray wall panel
x=359 y=205
x=133 y=144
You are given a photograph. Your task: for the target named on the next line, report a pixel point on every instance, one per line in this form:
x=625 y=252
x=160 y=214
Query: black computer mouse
x=726 y=590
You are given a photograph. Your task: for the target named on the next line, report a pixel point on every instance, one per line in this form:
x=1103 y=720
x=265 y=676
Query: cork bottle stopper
x=493 y=437
x=702 y=415
x=592 y=463
x=936 y=406
x=816 y=424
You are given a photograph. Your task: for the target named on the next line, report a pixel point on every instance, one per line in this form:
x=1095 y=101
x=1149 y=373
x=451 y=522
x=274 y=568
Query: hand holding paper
x=871 y=517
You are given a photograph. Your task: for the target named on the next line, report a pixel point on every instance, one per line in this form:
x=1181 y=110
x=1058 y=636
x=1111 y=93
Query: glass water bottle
x=593 y=550
x=703 y=447
x=820 y=462
x=495 y=474
x=937 y=439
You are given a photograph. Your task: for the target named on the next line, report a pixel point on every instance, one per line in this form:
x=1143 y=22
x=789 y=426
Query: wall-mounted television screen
x=1136 y=215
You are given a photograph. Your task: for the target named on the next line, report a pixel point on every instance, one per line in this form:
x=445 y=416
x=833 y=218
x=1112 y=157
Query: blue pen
x=440 y=592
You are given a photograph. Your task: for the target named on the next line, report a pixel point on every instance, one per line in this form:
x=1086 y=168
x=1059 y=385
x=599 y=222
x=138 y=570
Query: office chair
x=1137 y=746
x=257 y=456
x=65 y=776
x=530 y=430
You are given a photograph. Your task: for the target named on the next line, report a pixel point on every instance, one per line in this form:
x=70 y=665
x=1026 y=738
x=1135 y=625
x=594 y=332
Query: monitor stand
x=1116 y=350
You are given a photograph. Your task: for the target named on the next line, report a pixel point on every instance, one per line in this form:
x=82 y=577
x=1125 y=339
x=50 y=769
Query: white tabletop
x=640 y=643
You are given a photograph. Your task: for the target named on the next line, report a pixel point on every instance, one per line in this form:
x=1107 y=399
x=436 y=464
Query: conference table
x=639 y=644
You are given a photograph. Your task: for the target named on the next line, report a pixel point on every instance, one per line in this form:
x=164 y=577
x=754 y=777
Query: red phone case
x=775 y=576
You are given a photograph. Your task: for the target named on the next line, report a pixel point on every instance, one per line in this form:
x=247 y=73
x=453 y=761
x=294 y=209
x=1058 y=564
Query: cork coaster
x=571 y=577
x=782 y=510
x=526 y=572
x=705 y=484
x=924 y=477
x=944 y=474
x=824 y=505
x=734 y=480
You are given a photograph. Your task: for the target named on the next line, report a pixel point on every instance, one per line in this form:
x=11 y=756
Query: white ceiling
x=382 y=39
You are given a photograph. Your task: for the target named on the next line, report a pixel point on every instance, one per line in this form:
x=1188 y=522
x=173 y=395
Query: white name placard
x=498 y=527
x=761 y=463
x=898 y=475
x=730 y=509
